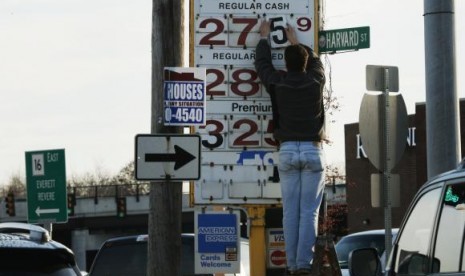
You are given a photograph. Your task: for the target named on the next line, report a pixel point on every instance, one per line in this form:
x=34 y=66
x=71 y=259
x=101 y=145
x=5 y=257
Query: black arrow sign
x=180 y=157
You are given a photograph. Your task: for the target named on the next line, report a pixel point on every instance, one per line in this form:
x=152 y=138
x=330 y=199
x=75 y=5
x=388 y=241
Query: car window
x=121 y=259
x=449 y=243
x=415 y=237
x=130 y=258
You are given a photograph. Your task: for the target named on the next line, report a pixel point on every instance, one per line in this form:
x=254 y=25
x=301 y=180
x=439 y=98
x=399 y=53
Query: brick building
x=411 y=170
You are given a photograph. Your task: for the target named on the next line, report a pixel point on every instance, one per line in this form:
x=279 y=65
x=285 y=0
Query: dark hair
x=296 y=57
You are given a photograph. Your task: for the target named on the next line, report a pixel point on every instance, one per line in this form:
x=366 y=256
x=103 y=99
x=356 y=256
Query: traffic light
x=10 y=204
x=121 y=207
x=71 y=204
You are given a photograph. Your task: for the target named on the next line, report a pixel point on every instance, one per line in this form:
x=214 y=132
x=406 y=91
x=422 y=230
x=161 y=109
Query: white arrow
x=46 y=211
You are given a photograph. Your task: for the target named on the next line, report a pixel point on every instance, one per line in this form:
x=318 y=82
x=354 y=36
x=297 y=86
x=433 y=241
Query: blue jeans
x=301 y=172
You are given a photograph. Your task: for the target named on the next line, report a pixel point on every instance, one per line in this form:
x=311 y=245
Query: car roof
x=145 y=237
x=23 y=235
x=372 y=232
x=458 y=172
x=139 y=238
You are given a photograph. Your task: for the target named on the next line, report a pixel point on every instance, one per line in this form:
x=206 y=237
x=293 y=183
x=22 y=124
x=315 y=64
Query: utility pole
x=164 y=246
x=442 y=107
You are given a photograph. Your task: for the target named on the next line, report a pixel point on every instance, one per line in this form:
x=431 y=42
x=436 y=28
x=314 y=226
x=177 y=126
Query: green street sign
x=344 y=39
x=46 y=186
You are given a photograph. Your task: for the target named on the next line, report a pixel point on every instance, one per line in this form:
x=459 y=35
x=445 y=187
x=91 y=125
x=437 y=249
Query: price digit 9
x=304 y=24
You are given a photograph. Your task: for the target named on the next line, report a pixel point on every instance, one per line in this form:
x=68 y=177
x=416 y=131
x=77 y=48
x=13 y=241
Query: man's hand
x=291 y=36
x=265 y=29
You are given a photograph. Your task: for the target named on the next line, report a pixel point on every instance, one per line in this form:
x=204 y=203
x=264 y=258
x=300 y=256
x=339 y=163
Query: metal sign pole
x=49 y=227
x=386 y=169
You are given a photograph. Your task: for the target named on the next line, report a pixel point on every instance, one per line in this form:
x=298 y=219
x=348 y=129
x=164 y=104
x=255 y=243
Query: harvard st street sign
x=330 y=41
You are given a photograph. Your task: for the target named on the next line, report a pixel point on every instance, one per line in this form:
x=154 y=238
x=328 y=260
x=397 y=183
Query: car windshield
x=348 y=244
x=121 y=259
x=39 y=262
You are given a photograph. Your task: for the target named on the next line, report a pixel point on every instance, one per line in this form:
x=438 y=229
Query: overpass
x=96 y=218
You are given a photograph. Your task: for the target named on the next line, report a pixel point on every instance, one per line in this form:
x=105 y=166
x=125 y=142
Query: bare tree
x=15 y=185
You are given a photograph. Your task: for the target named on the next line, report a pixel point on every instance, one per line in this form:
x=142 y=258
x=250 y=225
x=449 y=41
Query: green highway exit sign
x=344 y=39
x=46 y=186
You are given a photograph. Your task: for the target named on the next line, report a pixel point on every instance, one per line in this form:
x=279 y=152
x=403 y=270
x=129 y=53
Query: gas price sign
x=238 y=150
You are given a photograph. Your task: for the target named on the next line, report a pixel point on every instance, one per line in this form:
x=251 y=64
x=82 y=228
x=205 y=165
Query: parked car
x=27 y=249
x=431 y=238
x=128 y=256
x=371 y=238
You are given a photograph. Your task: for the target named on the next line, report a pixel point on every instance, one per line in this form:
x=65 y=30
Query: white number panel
x=252 y=157
x=244 y=132
x=301 y=24
x=211 y=31
x=238 y=185
x=232 y=82
x=237 y=132
x=213 y=133
x=267 y=138
x=244 y=24
x=212 y=190
x=244 y=82
x=243 y=31
x=278 y=25
x=217 y=82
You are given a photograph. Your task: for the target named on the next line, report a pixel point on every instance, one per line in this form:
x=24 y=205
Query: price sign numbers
x=244 y=82
x=217 y=82
x=211 y=31
x=213 y=133
x=278 y=24
x=267 y=137
x=231 y=32
x=243 y=31
x=302 y=26
x=244 y=132
x=233 y=82
x=222 y=132
x=278 y=36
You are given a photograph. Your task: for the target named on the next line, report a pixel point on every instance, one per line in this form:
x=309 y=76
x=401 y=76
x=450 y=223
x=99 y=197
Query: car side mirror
x=364 y=262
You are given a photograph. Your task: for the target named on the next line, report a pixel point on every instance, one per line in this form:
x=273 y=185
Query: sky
x=76 y=74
